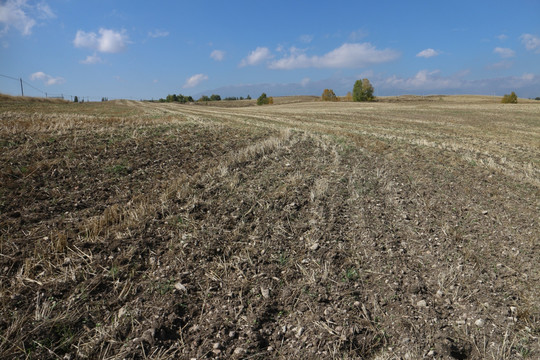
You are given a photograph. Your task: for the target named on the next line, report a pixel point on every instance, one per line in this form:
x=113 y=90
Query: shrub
x=329 y=95
x=510 y=99
x=264 y=100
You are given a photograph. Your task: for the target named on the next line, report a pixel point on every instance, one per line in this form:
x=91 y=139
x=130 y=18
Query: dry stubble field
x=403 y=228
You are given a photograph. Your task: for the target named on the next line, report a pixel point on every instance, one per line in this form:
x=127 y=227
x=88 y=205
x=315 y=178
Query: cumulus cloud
x=504 y=52
x=531 y=42
x=424 y=79
x=21 y=15
x=346 y=56
x=217 y=55
x=256 y=57
x=158 y=33
x=91 y=59
x=47 y=79
x=108 y=41
x=427 y=53
x=195 y=80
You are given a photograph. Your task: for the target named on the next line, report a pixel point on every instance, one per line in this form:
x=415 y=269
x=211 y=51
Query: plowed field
x=310 y=230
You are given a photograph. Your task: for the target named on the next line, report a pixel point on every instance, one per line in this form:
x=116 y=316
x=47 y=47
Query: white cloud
x=531 y=42
x=91 y=59
x=306 y=38
x=305 y=81
x=47 y=79
x=358 y=34
x=427 y=53
x=195 y=80
x=502 y=37
x=528 y=77
x=346 y=56
x=158 y=33
x=44 y=11
x=20 y=15
x=256 y=57
x=218 y=55
x=108 y=41
x=500 y=65
x=424 y=79
x=504 y=52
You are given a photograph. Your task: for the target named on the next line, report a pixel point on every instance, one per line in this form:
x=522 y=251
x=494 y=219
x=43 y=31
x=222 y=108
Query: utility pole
x=22 y=90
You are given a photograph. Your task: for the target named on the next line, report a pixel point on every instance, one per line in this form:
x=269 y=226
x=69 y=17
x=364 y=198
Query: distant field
x=406 y=227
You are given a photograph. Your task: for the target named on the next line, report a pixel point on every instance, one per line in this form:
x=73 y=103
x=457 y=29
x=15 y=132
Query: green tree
x=362 y=90
x=76 y=99
x=215 y=97
x=329 y=95
x=510 y=99
x=262 y=100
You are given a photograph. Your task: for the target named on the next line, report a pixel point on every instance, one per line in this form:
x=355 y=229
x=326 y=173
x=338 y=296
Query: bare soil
x=398 y=229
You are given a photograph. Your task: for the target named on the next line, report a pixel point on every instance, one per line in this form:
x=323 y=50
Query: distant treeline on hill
x=185 y=99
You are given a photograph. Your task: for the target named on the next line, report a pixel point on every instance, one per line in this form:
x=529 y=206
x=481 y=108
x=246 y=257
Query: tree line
x=204 y=98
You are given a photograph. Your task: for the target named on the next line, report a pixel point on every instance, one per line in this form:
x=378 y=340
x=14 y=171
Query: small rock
x=265 y=292
x=513 y=309
x=148 y=336
x=439 y=294
x=299 y=332
x=431 y=353
x=270 y=348
x=216 y=346
x=121 y=312
x=239 y=351
x=479 y=323
x=421 y=304
x=484 y=212
x=314 y=247
x=180 y=287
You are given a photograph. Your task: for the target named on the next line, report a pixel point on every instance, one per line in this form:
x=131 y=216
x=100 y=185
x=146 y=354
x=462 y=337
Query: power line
x=21 y=81
x=9 y=77
x=33 y=87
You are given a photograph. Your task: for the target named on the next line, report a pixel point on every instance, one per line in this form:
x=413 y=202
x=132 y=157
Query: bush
x=510 y=99
x=329 y=95
x=537 y=98
x=264 y=100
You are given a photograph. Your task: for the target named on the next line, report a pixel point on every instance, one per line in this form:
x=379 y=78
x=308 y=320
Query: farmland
x=406 y=227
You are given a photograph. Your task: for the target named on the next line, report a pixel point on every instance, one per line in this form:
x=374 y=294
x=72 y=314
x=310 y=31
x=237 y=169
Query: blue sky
x=148 y=49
